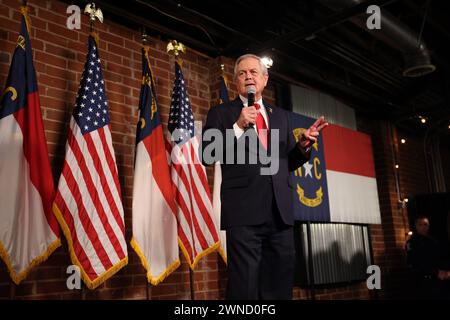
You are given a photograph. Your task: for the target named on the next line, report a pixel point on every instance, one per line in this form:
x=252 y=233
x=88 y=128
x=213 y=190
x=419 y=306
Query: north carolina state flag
x=155 y=236
x=29 y=231
x=338 y=183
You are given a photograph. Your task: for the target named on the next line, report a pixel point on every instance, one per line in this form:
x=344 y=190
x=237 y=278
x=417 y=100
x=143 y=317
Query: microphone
x=251 y=91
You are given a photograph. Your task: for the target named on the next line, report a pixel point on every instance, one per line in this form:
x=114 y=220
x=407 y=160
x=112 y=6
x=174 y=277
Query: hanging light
x=268 y=62
x=423 y=119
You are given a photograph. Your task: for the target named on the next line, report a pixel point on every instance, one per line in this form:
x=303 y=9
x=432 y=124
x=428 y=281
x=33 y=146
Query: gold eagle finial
x=93 y=12
x=175 y=47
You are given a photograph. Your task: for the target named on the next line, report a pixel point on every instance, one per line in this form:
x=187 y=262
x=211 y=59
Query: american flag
x=197 y=230
x=88 y=202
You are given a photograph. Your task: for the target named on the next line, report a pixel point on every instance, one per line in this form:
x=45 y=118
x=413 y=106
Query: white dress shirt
x=238 y=131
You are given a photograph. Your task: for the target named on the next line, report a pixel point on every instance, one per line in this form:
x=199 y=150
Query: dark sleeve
x=411 y=254
x=421 y=256
x=296 y=157
x=441 y=263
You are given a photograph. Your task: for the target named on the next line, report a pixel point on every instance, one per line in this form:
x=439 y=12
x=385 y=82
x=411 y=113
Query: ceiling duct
x=394 y=33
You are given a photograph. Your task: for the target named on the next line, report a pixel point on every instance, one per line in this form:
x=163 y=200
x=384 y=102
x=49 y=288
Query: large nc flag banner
x=338 y=183
x=29 y=232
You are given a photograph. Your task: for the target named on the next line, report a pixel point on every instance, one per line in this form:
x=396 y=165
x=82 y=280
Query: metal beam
x=316 y=28
x=138 y=20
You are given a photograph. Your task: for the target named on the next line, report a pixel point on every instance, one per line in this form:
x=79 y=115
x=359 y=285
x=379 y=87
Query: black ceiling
x=314 y=45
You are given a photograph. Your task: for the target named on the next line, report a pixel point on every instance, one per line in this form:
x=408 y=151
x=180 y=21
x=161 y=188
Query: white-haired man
x=257 y=209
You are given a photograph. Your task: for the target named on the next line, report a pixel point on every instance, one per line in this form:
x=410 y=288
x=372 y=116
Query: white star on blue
x=91 y=94
x=181 y=117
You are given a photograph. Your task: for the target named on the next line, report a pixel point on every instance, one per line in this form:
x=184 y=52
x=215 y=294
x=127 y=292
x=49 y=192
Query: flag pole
x=93 y=13
x=83 y=291
x=90 y=10
x=148 y=290
x=12 y=284
x=224 y=76
x=174 y=47
x=12 y=290
x=191 y=282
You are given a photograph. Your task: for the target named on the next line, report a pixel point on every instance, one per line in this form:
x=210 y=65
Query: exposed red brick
x=51 y=286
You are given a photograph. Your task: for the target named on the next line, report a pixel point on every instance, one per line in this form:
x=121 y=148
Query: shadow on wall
x=335 y=267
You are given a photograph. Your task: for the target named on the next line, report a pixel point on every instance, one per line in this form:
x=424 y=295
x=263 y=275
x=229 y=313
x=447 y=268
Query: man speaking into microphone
x=257 y=209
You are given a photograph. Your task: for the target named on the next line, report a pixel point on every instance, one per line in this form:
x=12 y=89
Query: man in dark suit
x=257 y=209
x=426 y=261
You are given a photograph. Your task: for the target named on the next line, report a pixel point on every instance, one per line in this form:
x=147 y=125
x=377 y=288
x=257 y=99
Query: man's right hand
x=247 y=117
x=444 y=275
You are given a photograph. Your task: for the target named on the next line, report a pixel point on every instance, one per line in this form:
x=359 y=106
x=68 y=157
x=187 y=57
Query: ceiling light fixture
x=268 y=62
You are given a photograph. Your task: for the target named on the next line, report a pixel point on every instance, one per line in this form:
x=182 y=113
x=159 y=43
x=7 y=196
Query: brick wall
x=388 y=239
x=59 y=56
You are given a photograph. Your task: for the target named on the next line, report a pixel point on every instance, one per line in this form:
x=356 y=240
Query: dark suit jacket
x=244 y=190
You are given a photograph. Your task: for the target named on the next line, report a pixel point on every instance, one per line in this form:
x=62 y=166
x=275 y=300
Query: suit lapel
x=236 y=107
x=269 y=112
x=272 y=117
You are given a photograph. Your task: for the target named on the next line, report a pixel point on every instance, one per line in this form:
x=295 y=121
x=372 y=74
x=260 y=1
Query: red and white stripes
x=89 y=205
x=196 y=229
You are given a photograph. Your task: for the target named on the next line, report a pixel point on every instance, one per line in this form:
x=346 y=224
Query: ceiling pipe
x=394 y=33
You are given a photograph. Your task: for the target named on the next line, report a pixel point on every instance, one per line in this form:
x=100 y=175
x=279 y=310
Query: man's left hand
x=444 y=275
x=310 y=136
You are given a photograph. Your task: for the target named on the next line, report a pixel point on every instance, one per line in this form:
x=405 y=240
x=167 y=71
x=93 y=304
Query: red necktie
x=261 y=127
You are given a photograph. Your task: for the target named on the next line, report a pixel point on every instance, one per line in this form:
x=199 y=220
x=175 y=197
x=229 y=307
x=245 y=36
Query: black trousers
x=261 y=260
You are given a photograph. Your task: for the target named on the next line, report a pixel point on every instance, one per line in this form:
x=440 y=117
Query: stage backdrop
x=338 y=183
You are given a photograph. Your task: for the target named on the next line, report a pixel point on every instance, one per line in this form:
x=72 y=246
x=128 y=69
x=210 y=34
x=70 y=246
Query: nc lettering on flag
x=88 y=202
x=29 y=232
x=155 y=236
x=338 y=183
x=197 y=230
x=310 y=180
